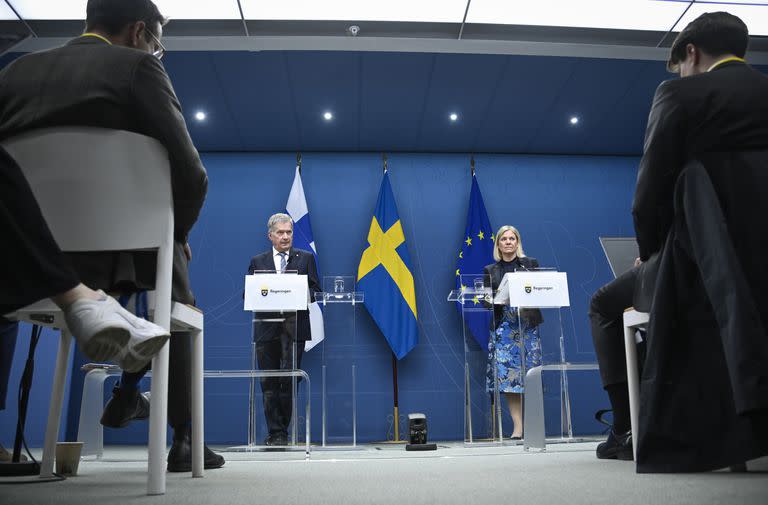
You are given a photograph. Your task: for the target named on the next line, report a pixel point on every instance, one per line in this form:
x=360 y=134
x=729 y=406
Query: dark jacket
x=88 y=82
x=301 y=261
x=495 y=271
x=704 y=389
x=724 y=110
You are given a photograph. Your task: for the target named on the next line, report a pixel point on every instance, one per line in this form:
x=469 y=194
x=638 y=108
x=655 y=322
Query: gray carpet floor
x=454 y=474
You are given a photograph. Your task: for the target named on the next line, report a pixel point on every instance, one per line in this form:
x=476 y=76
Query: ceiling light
x=200 y=115
x=574 y=120
x=328 y=116
x=454 y=116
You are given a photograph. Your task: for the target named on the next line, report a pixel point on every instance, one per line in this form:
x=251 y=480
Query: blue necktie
x=282 y=261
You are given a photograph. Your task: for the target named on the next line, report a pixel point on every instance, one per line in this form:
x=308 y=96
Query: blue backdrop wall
x=561 y=204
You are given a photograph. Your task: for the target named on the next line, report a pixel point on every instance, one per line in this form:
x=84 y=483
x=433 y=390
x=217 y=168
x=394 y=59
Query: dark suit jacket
x=495 y=271
x=301 y=261
x=723 y=110
x=88 y=82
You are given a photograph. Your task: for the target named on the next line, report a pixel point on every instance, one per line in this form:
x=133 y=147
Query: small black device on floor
x=417 y=434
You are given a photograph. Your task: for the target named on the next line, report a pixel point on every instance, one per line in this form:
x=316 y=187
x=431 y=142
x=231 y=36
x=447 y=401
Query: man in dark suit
x=111 y=77
x=720 y=104
x=277 y=335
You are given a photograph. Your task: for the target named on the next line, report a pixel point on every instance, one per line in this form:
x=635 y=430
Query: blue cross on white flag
x=302 y=239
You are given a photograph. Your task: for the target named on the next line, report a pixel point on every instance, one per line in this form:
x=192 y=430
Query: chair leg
x=197 y=404
x=158 y=418
x=633 y=381
x=533 y=419
x=57 y=400
x=90 y=431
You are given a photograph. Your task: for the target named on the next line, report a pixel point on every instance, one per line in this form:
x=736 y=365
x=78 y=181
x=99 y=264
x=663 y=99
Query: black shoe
x=124 y=407
x=616 y=447
x=276 y=439
x=180 y=455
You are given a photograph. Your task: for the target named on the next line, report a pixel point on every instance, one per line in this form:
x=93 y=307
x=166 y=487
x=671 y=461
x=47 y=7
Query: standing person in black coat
x=277 y=335
x=704 y=390
x=111 y=77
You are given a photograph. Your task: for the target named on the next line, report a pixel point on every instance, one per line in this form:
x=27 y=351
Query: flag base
x=421 y=447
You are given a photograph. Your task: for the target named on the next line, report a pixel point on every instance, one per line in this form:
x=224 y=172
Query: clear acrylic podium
x=482 y=405
x=340 y=350
x=546 y=291
x=274 y=300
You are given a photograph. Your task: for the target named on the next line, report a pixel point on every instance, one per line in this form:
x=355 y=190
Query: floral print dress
x=504 y=353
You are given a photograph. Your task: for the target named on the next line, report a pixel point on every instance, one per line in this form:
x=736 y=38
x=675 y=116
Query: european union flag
x=476 y=253
x=384 y=275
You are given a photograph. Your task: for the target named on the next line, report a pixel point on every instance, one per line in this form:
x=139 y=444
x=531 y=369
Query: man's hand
x=188 y=251
x=638 y=262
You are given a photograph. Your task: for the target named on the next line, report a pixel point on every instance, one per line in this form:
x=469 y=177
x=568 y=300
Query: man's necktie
x=283 y=263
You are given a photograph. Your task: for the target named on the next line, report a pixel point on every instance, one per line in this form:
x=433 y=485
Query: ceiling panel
x=259 y=91
x=514 y=114
x=274 y=101
x=60 y=9
x=199 y=88
x=325 y=82
x=175 y=9
x=590 y=94
x=463 y=84
x=205 y=9
x=755 y=16
x=6 y=13
x=615 y=14
x=393 y=91
x=622 y=129
x=435 y=11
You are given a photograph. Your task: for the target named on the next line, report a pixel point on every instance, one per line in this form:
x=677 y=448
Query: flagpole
x=395 y=400
x=472 y=164
x=298 y=162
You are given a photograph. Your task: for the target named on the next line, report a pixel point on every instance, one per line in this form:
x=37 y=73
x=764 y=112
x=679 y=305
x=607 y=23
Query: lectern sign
x=270 y=292
x=534 y=289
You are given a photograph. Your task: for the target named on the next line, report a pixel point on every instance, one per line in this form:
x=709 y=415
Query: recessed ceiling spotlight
x=200 y=115
x=328 y=116
x=454 y=116
x=574 y=120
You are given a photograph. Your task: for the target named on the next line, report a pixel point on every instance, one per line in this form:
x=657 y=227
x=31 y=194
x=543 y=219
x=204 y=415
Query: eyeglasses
x=159 y=49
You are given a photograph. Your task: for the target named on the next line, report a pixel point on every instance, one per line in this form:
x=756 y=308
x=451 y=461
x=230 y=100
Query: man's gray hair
x=278 y=218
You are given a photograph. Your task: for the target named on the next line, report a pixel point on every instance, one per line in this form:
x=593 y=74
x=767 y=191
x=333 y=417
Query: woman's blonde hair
x=502 y=231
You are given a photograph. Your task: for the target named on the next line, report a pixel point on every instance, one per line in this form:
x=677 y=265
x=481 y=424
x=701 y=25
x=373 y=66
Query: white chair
x=110 y=190
x=633 y=320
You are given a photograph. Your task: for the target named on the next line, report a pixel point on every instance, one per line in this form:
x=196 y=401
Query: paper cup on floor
x=68 y=457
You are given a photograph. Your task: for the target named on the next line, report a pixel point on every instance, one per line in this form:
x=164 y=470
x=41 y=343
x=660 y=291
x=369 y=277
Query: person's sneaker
x=180 y=455
x=125 y=406
x=616 y=447
x=105 y=331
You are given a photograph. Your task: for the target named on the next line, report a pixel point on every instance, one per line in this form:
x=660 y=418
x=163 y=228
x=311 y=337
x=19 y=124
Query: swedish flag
x=384 y=275
x=476 y=252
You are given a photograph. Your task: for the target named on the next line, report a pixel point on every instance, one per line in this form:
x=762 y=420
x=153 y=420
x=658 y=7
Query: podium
x=274 y=299
x=340 y=353
x=482 y=407
x=545 y=290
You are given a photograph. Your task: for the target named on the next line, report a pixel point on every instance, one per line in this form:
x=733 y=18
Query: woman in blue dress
x=504 y=344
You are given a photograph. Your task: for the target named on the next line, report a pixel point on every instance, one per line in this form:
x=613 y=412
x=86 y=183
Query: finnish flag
x=302 y=239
